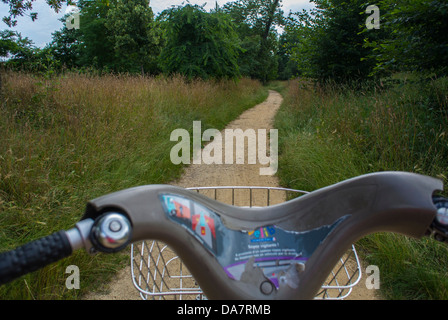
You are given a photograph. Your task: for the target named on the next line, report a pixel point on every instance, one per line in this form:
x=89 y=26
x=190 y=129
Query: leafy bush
x=199 y=44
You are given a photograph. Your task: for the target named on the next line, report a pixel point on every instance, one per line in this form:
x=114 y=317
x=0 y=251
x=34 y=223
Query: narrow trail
x=259 y=117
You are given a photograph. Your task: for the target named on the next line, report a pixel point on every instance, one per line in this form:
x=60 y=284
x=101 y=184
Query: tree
x=287 y=67
x=17 y=50
x=8 y=43
x=134 y=35
x=329 y=43
x=66 y=47
x=417 y=37
x=256 y=21
x=115 y=35
x=97 y=49
x=199 y=44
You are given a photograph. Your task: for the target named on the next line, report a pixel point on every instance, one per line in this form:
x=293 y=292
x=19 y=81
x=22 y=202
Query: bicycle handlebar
x=33 y=256
x=284 y=251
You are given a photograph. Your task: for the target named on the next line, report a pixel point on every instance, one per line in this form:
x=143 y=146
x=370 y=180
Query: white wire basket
x=159 y=274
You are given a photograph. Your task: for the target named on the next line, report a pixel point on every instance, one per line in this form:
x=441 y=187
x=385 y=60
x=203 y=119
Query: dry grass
x=330 y=134
x=72 y=138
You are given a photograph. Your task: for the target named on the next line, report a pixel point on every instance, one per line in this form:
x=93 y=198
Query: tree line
x=243 y=38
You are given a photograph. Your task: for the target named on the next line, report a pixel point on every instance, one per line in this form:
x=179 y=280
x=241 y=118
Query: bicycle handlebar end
x=33 y=256
x=111 y=232
x=439 y=227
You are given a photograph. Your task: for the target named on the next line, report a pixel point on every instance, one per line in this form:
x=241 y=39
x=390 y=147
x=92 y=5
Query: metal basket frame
x=157 y=272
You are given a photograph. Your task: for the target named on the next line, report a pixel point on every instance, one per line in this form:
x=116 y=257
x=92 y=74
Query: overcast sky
x=47 y=22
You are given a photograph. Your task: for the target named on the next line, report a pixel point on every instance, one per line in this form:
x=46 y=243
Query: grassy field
x=328 y=134
x=69 y=139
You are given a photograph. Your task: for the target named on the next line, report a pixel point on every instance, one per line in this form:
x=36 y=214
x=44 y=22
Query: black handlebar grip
x=33 y=256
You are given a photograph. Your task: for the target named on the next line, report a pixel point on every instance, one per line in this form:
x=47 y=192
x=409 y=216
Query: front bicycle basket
x=158 y=273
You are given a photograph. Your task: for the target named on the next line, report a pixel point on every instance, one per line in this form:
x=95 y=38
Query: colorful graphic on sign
x=265 y=234
x=197 y=218
x=270 y=248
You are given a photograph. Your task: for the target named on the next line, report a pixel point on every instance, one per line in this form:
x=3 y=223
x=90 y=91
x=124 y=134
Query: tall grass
x=72 y=138
x=331 y=133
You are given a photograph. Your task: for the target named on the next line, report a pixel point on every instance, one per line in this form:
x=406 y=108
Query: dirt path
x=259 y=117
